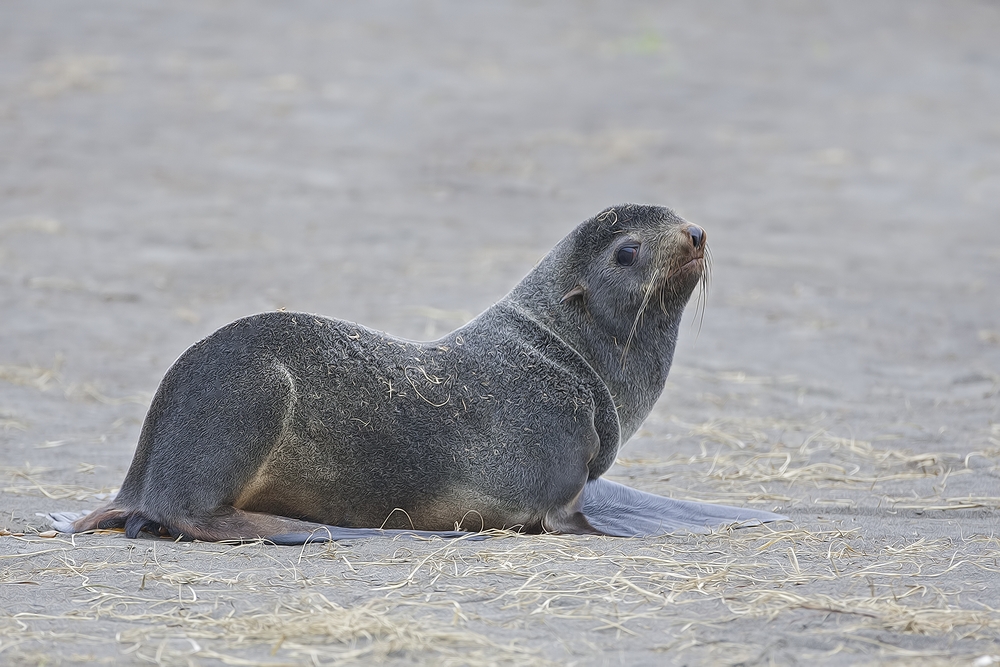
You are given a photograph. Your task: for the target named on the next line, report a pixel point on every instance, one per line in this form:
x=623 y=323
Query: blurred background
x=168 y=167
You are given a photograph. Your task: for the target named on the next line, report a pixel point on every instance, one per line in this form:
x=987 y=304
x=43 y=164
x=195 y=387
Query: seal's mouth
x=697 y=251
x=697 y=262
x=674 y=279
x=694 y=261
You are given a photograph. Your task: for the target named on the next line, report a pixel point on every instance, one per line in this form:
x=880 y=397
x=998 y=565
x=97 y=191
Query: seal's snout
x=697 y=235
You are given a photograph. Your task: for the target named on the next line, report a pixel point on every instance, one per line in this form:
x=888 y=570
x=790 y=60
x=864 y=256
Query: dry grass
x=167 y=613
x=763 y=461
x=50 y=379
x=466 y=603
x=26 y=480
x=547 y=599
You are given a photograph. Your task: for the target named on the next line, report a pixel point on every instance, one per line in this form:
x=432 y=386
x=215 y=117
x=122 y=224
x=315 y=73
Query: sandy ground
x=166 y=168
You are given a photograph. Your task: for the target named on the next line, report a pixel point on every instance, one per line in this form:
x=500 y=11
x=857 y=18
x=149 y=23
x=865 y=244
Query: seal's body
x=294 y=427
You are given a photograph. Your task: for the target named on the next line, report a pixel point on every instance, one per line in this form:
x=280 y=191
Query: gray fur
x=295 y=427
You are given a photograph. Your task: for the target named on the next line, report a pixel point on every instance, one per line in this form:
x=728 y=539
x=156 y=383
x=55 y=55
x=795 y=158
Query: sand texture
x=168 y=167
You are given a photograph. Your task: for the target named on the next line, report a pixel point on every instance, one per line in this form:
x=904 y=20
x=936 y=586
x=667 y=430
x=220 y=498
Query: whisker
x=702 y=304
x=638 y=316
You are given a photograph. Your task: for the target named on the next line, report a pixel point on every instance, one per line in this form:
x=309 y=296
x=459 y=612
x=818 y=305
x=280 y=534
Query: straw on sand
x=546 y=599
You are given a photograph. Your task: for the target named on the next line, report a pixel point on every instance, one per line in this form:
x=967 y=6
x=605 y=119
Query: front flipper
x=615 y=509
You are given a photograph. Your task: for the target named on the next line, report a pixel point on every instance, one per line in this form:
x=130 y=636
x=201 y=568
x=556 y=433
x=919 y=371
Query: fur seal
x=295 y=428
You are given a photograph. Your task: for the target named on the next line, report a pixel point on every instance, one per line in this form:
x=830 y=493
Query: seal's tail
x=620 y=511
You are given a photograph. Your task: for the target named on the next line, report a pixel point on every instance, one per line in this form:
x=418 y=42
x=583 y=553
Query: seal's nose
x=697 y=235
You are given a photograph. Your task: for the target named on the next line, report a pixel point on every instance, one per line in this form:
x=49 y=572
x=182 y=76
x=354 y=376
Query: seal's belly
x=405 y=504
x=383 y=432
x=484 y=485
x=480 y=468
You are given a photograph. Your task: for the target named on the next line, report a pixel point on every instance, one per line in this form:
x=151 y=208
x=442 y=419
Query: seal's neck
x=634 y=371
x=632 y=363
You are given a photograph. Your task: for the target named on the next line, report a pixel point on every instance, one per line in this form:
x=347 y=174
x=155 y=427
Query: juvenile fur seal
x=295 y=428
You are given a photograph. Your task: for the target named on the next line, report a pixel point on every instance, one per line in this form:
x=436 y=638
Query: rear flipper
x=615 y=509
x=337 y=533
x=63 y=521
x=235 y=525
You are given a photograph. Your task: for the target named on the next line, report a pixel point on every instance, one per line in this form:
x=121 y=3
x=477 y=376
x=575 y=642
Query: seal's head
x=631 y=258
x=628 y=267
x=615 y=290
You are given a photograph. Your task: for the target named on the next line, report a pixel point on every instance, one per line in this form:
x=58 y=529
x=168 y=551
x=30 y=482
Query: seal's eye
x=627 y=254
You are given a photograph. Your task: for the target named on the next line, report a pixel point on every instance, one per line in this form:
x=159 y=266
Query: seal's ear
x=577 y=292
